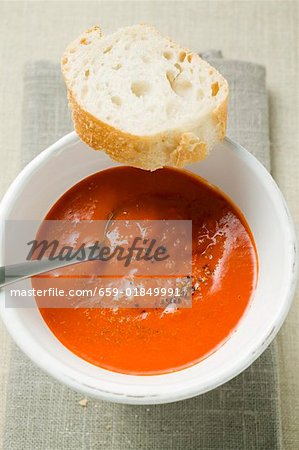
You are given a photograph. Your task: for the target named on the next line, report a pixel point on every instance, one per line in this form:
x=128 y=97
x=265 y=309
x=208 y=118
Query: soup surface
x=224 y=272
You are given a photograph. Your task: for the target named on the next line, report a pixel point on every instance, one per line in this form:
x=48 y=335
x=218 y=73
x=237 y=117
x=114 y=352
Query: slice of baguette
x=143 y=99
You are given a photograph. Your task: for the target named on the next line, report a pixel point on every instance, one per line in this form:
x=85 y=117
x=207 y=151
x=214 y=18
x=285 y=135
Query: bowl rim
x=60 y=371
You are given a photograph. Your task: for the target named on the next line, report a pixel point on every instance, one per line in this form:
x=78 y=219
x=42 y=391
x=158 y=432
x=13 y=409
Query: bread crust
x=172 y=147
x=146 y=152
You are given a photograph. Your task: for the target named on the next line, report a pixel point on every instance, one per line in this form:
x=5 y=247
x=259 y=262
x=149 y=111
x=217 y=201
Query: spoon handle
x=17 y=272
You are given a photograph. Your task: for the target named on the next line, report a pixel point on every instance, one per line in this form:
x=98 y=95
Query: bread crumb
x=83 y=402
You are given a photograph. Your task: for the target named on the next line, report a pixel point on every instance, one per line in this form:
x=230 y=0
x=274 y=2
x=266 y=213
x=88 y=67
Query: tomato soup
x=224 y=272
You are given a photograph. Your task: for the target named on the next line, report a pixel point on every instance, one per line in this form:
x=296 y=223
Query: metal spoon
x=17 y=272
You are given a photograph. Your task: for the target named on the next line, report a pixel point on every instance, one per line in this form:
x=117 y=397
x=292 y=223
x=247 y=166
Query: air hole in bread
x=170 y=77
x=215 y=89
x=189 y=57
x=108 y=49
x=65 y=60
x=179 y=84
x=168 y=55
x=86 y=73
x=116 y=100
x=117 y=66
x=140 y=88
x=84 y=41
x=182 y=56
x=182 y=86
x=179 y=67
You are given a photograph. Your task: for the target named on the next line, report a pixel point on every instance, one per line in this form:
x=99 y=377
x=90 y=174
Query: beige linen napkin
x=244 y=413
